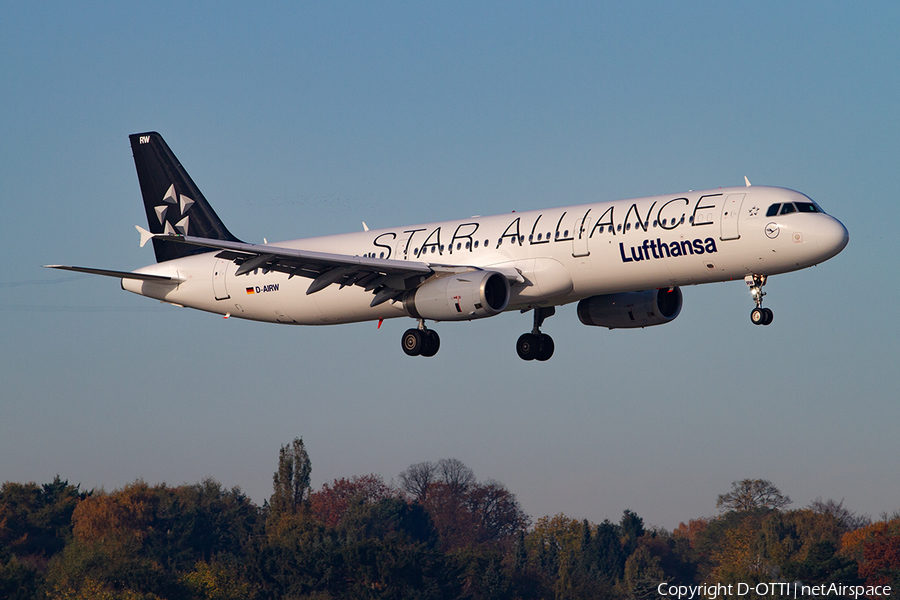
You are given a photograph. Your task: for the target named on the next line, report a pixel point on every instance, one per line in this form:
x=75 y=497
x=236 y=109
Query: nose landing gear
x=537 y=345
x=421 y=341
x=759 y=315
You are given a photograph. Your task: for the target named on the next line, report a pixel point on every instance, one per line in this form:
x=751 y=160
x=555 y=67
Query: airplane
x=623 y=262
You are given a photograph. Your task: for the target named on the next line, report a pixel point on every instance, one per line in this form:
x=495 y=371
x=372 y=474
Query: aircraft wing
x=387 y=278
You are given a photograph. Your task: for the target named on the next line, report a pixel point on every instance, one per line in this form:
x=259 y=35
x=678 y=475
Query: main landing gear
x=537 y=345
x=421 y=341
x=759 y=315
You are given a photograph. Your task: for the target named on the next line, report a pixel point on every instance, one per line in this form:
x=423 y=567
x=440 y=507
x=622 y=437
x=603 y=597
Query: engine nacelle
x=631 y=309
x=459 y=297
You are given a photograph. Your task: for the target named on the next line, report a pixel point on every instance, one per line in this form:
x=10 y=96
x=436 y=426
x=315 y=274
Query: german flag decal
x=250 y=290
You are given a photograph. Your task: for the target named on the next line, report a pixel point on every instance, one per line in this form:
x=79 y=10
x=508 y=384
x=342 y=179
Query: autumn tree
x=291 y=480
x=723 y=547
x=643 y=575
x=880 y=563
x=750 y=494
x=734 y=556
x=487 y=513
x=496 y=511
x=109 y=552
x=332 y=502
x=216 y=581
x=120 y=517
x=555 y=544
x=854 y=542
x=452 y=518
x=684 y=539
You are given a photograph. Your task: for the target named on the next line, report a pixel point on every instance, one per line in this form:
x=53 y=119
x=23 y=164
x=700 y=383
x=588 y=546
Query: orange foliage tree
x=331 y=503
x=880 y=562
x=123 y=516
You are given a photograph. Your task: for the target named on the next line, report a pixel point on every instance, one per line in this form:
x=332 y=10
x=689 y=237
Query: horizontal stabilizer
x=146 y=236
x=118 y=274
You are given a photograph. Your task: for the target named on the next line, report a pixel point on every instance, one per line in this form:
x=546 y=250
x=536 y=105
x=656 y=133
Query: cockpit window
x=787 y=208
x=807 y=207
x=773 y=210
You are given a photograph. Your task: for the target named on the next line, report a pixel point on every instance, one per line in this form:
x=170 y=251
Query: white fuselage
x=563 y=254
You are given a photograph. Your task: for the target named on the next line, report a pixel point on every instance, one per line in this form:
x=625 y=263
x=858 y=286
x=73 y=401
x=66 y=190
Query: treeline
x=440 y=533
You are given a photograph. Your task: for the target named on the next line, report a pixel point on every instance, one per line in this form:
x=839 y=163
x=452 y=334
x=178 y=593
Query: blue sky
x=305 y=119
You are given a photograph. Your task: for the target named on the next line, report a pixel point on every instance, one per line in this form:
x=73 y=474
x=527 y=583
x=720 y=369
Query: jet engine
x=459 y=297
x=631 y=309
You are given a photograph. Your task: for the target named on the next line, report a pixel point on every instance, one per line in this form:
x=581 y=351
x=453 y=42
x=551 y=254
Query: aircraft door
x=731 y=210
x=580 y=241
x=219 y=270
x=400 y=253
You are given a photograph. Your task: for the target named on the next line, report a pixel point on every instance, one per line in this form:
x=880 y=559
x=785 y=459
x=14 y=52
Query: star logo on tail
x=172 y=202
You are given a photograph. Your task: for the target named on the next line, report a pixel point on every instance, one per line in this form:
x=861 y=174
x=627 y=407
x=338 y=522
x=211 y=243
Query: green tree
x=390 y=549
x=610 y=554
x=201 y=522
x=17 y=581
x=823 y=564
x=297 y=556
x=291 y=480
x=36 y=521
x=632 y=528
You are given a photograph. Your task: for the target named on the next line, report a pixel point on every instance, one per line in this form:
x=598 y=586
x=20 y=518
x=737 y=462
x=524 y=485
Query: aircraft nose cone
x=831 y=236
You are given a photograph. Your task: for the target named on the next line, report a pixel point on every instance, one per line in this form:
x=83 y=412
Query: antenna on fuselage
x=747 y=181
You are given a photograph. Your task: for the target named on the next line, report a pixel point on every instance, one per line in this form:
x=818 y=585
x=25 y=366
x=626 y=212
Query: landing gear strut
x=421 y=341
x=537 y=345
x=759 y=315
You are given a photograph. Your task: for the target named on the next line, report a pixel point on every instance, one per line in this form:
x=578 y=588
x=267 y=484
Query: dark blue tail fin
x=172 y=201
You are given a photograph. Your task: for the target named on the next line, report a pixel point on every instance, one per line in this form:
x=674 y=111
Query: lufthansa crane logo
x=772 y=230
